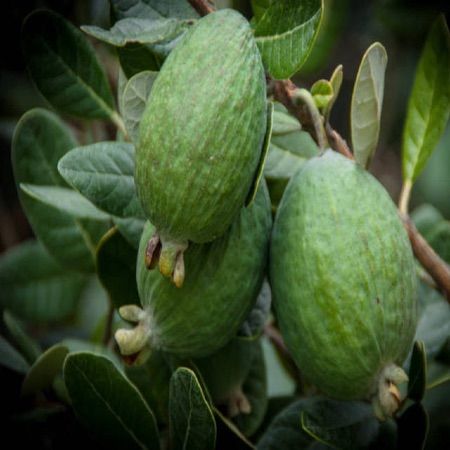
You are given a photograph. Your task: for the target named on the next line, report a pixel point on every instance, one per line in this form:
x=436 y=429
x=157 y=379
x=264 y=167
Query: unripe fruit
x=225 y=277
x=343 y=280
x=201 y=138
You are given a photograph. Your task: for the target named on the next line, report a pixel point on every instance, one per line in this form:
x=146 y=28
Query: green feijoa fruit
x=223 y=282
x=225 y=371
x=343 y=282
x=201 y=138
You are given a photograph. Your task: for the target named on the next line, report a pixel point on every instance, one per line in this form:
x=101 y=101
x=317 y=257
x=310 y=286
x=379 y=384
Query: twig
x=404 y=197
x=430 y=260
x=202 y=6
x=337 y=142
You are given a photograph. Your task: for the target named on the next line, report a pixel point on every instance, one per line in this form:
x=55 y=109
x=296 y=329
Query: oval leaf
x=107 y=403
x=367 y=101
x=340 y=424
x=40 y=140
x=285 y=34
x=429 y=102
x=417 y=372
x=64 y=67
x=135 y=30
x=27 y=346
x=134 y=99
x=336 y=83
x=413 y=428
x=35 y=287
x=64 y=199
x=116 y=268
x=11 y=358
x=104 y=174
x=192 y=422
x=44 y=370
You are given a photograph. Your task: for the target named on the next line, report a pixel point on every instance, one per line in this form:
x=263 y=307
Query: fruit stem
x=201 y=6
x=118 y=122
x=404 y=197
x=303 y=97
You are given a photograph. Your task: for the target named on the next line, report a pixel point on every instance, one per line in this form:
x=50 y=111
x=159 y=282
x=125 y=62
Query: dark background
x=350 y=26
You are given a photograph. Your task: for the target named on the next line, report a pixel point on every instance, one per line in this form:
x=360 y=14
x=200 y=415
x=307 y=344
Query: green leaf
x=116 y=268
x=258 y=316
x=137 y=58
x=336 y=83
x=255 y=389
x=153 y=9
x=285 y=34
x=285 y=432
x=429 y=102
x=64 y=67
x=152 y=379
x=130 y=228
x=134 y=30
x=434 y=326
x=282 y=163
x=228 y=431
x=35 y=287
x=64 y=199
x=11 y=358
x=322 y=92
x=134 y=100
x=283 y=123
x=192 y=422
x=108 y=404
x=413 y=428
x=259 y=7
x=367 y=101
x=44 y=370
x=28 y=347
x=80 y=345
x=339 y=424
x=104 y=174
x=417 y=372
x=40 y=140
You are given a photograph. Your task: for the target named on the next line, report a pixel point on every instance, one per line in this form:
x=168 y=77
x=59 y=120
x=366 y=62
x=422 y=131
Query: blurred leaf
x=130 y=228
x=254 y=324
x=285 y=34
x=255 y=389
x=429 y=102
x=284 y=123
x=80 y=345
x=40 y=140
x=192 y=422
x=322 y=92
x=340 y=424
x=64 y=67
x=434 y=326
x=108 y=404
x=104 y=174
x=134 y=100
x=413 y=428
x=11 y=358
x=116 y=268
x=35 y=287
x=137 y=58
x=439 y=239
x=285 y=431
x=259 y=7
x=425 y=217
x=417 y=372
x=153 y=9
x=367 y=102
x=135 y=30
x=44 y=370
x=152 y=379
x=28 y=347
x=336 y=83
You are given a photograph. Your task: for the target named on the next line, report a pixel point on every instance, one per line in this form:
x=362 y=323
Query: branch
x=202 y=6
x=430 y=260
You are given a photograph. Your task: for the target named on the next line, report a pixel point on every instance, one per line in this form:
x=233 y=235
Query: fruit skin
x=202 y=131
x=225 y=277
x=343 y=278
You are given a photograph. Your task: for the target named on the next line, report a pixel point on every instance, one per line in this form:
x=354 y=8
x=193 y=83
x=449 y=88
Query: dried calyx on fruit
x=344 y=282
x=201 y=139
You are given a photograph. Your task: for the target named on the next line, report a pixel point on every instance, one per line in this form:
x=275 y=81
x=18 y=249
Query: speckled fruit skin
x=202 y=131
x=343 y=277
x=225 y=277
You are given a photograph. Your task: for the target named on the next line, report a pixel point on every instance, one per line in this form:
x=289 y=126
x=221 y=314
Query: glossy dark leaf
x=417 y=372
x=412 y=428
